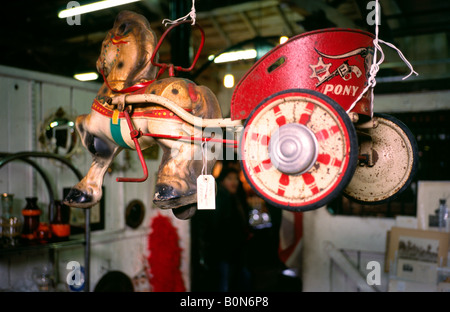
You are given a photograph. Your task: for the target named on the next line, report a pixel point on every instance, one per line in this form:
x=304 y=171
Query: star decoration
x=321 y=70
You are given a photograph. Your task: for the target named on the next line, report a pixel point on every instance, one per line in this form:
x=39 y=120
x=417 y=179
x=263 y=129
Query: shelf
x=52 y=246
x=75 y=241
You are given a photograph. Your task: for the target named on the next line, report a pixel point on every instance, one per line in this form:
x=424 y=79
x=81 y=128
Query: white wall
x=27 y=98
x=344 y=232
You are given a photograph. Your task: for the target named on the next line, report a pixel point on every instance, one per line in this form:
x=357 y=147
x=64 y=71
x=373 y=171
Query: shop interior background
x=41 y=53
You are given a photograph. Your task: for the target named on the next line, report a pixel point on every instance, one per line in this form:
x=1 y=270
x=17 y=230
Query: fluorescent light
x=96 y=6
x=283 y=39
x=86 y=76
x=236 y=56
x=228 y=81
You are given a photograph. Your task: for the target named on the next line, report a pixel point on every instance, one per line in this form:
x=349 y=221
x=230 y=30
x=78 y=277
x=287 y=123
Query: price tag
x=206 y=192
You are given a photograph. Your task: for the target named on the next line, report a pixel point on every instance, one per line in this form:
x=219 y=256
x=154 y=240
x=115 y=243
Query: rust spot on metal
x=374 y=156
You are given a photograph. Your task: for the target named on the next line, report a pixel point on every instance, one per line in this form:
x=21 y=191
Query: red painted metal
x=173 y=68
x=135 y=134
x=334 y=61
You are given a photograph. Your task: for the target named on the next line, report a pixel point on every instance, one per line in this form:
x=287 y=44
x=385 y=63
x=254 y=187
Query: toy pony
x=126 y=66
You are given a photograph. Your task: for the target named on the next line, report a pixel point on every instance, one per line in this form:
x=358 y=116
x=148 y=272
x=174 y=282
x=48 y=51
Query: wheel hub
x=293 y=148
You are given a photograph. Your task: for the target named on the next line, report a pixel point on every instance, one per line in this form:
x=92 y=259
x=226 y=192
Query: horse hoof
x=186 y=212
x=166 y=197
x=79 y=199
x=165 y=192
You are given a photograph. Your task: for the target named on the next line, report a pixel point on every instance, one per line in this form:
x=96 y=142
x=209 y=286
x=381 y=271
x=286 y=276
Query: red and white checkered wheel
x=298 y=149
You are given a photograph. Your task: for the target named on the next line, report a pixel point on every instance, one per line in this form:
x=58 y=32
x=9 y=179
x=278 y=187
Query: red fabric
x=165 y=256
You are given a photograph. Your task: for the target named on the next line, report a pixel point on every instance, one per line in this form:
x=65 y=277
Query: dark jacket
x=224 y=231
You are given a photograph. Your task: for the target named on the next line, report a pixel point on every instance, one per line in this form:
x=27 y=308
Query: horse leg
x=88 y=191
x=176 y=185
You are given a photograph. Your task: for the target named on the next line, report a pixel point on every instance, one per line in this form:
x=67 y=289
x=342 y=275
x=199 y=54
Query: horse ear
x=122 y=29
x=121 y=23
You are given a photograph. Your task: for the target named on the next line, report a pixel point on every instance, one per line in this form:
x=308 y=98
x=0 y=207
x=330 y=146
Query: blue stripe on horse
x=117 y=134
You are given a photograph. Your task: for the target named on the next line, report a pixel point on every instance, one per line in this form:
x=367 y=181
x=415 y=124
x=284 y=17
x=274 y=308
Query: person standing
x=224 y=234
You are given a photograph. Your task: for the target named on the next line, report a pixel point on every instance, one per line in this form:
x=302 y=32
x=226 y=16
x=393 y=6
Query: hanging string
x=192 y=14
x=376 y=64
x=412 y=71
x=205 y=157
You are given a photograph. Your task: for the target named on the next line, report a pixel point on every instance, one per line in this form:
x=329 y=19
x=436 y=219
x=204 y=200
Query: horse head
x=125 y=57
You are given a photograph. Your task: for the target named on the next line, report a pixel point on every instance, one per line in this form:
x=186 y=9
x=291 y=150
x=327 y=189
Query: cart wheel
x=298 y=149
x=395 y=154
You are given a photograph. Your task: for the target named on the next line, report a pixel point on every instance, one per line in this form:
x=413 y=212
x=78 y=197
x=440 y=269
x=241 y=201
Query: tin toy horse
x=126 y=65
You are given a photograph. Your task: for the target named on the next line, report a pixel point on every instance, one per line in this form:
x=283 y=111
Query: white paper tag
x=206 y=192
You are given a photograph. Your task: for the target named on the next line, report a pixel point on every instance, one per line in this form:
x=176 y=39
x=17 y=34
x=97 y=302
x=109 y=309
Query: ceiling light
x=236 y=56
x=283 y=39
x=228 y=81
x=96 y=6
x=86 y=76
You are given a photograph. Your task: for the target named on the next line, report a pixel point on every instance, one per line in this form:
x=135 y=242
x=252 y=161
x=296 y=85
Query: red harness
x=155 y=113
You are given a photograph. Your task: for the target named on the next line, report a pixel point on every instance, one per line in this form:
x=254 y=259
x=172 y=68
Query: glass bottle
x=43 y=233
x=11 y=223
x=31 y=215
x=60 y=225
